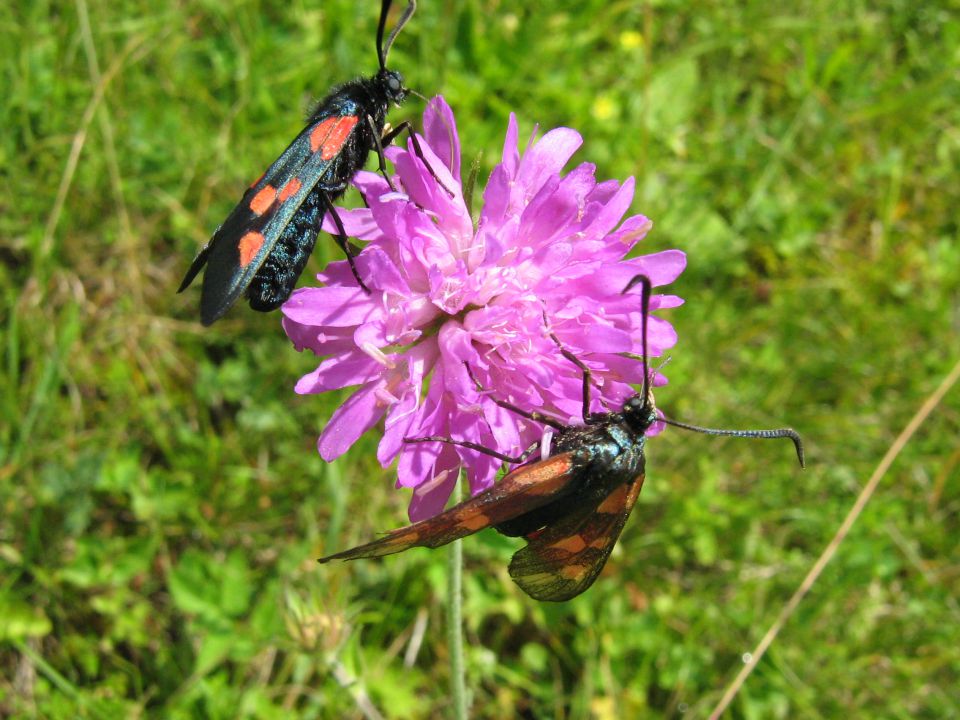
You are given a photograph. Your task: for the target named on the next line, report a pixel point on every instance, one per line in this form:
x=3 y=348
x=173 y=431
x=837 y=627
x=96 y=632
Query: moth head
x=640 y=412
x=392 y=83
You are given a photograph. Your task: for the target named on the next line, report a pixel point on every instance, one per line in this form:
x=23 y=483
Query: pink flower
x=547 y=255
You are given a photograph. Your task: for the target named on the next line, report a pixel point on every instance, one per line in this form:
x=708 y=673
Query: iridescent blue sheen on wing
x=275 y=279
x=264 y=243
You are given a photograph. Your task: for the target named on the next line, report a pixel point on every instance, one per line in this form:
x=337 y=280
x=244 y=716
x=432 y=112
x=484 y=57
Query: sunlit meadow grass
x=161 y=500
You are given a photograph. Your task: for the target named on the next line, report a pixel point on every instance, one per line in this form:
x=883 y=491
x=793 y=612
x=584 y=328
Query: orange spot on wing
x=329 y=136
x=572 y=544
x=572 y=572
x=408 y=537
x=250 y=245
x=545 y=475
x=472 y=520
x=263 y=199
x=291 y=188
x=614 y=502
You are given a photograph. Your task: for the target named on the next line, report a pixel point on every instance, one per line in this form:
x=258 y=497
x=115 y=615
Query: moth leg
x=529 y=414
x=587 y=375
x=378 y=144
x=513 y=460
x=341 y=239
x=388 y=138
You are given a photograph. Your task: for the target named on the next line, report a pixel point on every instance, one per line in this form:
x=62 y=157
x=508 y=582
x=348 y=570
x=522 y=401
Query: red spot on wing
x=249 y=246
x=263 y=199
x=319 y=134
x=291 y=188
x=329 y=136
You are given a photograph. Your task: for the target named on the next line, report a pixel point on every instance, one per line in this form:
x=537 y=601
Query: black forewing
x=225 y=279
x=565 y=558
x=522 y=490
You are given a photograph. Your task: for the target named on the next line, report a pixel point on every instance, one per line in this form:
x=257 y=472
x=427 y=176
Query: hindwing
x=562 y=560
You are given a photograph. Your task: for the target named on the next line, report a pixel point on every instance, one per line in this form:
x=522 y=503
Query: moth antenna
x=645 y=291
x=766 y=434
x=383 y=50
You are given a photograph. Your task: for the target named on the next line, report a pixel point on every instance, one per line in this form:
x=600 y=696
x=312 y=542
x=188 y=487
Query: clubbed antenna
x=777 y=433
x=645 y=292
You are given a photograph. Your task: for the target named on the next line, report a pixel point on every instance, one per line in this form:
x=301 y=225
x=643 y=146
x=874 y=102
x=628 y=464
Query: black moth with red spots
x=264 y=244
x=571 y=507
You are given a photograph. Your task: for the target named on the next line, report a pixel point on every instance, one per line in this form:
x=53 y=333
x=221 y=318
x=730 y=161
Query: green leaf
x=19 y=621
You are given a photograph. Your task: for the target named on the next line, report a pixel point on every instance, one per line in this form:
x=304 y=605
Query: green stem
x=458 y=686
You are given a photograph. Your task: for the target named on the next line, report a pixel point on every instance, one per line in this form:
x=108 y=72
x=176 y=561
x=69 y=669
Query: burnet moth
x=570 y=507
x=265 y=242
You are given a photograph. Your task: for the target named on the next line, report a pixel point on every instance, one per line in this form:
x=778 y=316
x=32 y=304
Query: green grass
x=161 y=499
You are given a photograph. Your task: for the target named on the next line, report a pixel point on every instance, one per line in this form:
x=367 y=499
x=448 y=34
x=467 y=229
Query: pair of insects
x=571 y=506
x=265 y=242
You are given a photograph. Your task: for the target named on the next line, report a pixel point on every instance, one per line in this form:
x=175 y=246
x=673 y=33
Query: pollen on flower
x=449 y=295
x=545 y=443
x=633 y=236
x=377 y=354
x=384 y=397
x=436 y=481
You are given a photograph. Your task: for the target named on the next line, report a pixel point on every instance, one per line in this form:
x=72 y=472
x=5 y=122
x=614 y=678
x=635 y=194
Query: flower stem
x=458 y=690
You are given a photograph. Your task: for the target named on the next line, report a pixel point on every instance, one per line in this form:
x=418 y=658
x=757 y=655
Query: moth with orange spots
x=571 y=506
x=265 y=242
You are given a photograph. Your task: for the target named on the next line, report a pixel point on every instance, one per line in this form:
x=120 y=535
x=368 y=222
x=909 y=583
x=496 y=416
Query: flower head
x=451 y=303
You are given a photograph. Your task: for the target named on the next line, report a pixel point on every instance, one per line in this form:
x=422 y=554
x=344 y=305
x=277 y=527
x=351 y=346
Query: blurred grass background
x=161 y=500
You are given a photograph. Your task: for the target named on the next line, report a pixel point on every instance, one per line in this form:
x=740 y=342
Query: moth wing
x=564 y=559
x=522 y=490
x=244 y=240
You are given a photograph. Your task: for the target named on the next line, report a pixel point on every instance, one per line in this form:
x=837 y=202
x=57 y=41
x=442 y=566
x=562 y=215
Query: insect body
x=570 y=507
x=263 y=245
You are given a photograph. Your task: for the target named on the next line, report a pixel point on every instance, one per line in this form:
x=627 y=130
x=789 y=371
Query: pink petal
x=321 y=341
x=550 y=213
x=662 y=268
x=593 y=335
x=430 y=497
x=330 y=306
x=510 y=159
x=611 y=213
x=405 y=418
x=440 y=130
x=358 y=414
x=340 y=371
x=358 y=223
x=632 y=231
x=423 y=189
x=380 y=272
x=547 y=158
